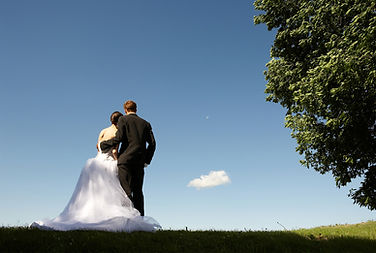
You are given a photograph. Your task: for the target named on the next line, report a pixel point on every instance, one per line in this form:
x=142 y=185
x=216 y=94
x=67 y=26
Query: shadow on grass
x=33 y=240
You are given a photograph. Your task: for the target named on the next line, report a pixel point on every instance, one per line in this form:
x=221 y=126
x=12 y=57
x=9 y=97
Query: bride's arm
x=100 y=138
x=115 y=152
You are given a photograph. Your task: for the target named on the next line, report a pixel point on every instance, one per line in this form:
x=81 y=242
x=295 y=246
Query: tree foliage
x=323 y=71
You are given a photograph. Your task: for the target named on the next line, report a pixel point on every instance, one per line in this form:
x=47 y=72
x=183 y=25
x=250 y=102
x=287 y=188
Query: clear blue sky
x=195 y=68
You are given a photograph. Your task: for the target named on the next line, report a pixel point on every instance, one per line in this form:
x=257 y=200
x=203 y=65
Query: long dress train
x=99 y=203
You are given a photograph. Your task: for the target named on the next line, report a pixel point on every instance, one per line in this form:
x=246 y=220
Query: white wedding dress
x=99 y=203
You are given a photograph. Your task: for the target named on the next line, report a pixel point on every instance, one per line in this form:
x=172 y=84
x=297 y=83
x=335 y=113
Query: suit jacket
x=133 y=133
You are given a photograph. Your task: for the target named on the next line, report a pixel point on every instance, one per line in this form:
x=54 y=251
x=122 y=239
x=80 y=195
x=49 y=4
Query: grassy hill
x=339 y=238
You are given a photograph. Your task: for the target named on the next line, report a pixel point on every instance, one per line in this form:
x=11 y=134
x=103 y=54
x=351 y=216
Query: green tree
x=323 y=71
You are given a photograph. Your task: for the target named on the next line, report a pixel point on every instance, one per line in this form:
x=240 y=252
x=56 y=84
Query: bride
x=98 y=201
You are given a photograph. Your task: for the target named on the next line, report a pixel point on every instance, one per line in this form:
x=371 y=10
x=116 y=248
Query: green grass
x=339 y=238
x=366 y=230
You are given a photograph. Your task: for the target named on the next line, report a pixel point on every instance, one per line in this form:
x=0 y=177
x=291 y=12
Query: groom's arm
x=151 y=145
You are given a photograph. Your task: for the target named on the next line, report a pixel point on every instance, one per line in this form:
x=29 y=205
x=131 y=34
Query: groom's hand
x=145 y=165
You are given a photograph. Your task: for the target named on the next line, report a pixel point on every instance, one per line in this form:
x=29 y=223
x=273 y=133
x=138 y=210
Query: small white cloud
x=207 y=117
x=214 y=178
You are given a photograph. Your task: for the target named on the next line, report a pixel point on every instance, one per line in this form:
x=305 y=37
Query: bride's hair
x=130 y=106
x=115 y=117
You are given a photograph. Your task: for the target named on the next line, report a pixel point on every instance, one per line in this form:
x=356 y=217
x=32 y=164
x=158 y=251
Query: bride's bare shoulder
x=107 y=133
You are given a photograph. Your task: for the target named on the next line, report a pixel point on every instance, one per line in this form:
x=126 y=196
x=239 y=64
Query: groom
x=133 y=134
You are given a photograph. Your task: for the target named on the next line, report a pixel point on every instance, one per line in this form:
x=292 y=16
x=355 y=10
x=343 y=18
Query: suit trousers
x=131 y=178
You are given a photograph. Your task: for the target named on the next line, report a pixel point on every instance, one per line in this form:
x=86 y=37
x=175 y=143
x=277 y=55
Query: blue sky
x=195 y=68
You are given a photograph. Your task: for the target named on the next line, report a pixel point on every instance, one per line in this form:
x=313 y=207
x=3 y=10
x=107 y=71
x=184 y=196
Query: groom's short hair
x=130 y=106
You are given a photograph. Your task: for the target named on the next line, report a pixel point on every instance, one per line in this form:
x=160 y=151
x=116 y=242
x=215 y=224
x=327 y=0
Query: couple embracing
x=108 y=195
x=133 y=133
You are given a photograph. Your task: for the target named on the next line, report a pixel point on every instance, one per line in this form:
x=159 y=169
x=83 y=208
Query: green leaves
x=323 y=70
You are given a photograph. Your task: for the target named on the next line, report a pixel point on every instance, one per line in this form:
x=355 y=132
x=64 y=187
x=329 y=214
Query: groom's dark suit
x=133 y=134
